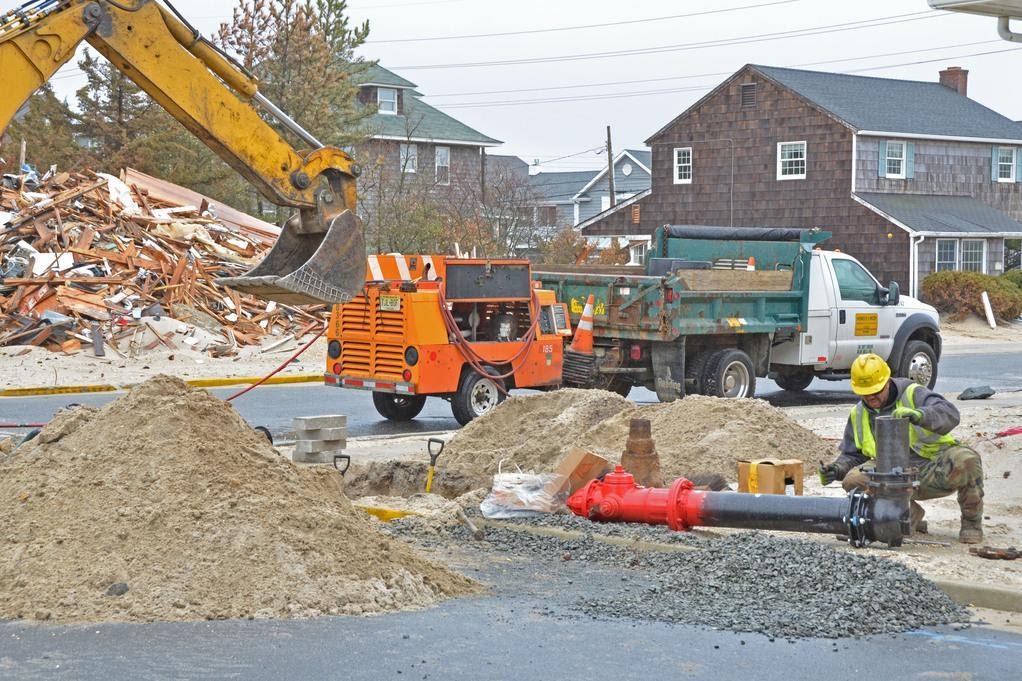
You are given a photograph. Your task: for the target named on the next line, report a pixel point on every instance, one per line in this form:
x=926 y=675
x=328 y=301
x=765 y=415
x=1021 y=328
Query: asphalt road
x=275 y=406
x=526 y=629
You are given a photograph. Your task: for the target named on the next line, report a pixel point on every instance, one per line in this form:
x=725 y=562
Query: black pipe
x=775 y=512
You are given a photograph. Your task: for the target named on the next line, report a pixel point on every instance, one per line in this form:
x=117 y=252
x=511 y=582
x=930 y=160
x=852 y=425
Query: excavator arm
x=320 y=254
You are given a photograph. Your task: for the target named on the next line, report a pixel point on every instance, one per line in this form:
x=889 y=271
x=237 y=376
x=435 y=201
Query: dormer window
x=386 y=100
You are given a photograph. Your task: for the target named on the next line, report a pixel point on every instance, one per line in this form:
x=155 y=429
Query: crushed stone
x=166 y=505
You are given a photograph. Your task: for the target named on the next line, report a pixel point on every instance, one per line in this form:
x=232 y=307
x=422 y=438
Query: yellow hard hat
x=870 y=374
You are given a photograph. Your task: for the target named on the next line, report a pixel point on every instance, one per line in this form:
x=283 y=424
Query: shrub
x=1014 y=276
x=957 y=294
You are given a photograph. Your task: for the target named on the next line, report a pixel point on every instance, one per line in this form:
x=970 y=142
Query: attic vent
x=748 y=95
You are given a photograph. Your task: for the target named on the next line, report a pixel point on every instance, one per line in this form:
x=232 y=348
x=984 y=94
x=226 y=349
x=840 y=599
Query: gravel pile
x=754 y=582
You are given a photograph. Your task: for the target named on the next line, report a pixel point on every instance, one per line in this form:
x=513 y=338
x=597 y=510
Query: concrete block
x=314 y=422
x=314 y=446
x=322 y=434
x=314 y=457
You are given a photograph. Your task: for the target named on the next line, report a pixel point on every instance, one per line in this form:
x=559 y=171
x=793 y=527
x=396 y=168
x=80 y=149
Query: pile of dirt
x=530 y=432
x=710 y=435
x=166 y=505
x=694 y=435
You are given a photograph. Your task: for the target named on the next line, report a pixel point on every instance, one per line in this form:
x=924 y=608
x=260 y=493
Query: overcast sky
x=565 y=69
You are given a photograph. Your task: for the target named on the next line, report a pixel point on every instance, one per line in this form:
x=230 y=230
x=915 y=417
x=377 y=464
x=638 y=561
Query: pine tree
x=47 y=129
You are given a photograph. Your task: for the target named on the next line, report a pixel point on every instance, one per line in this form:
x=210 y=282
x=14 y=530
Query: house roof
x=560 y=187
x=938 y=215
x=509 y=165
x=421 y=122
x=375 y=74
x=642 y=157
x=897 y=106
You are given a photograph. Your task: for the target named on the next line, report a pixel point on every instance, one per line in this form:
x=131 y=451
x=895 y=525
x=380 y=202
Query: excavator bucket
x=304 y=269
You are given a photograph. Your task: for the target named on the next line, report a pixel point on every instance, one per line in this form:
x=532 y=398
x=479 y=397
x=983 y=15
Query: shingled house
x=911 y=177
x=410 y=138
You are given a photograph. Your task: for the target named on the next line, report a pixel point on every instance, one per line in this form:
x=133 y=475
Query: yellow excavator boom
x=320 y=254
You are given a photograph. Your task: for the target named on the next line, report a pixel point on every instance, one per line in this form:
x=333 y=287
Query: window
x=547 y=216
x=1012 y=254
x=626 y=169
x=748 y=95
x=1005 y=164
x=637 y=254
x=895 y=160
x=683 y=165
x=854 y=282
x=409 y=158
x=947 y=254
x=386 y=100
x=973 y=252
x=443 y=165
x=604 y=203
x=791 y=160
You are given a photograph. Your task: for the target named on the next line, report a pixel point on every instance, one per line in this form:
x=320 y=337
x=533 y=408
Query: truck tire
x=398 y=407
x=695 y=368
x=476 y=395
x=729 y=373
x=919 y=362
x=794 y=381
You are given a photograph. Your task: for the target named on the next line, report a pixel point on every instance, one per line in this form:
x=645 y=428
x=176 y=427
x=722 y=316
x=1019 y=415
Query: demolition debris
x=90 y=259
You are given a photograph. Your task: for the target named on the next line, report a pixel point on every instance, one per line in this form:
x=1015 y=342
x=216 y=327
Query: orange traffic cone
x=752 y=264
x=583 y=340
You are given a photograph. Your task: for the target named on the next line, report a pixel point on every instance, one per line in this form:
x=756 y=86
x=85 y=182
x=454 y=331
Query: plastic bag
x=523 y=494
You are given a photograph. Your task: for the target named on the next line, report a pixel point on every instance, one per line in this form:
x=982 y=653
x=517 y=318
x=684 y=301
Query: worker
x=944 y=464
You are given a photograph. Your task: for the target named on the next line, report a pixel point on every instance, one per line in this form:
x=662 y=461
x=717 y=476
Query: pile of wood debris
x=134 y=259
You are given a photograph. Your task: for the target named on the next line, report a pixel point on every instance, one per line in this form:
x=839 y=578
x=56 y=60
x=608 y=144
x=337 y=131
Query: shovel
x=432 y=459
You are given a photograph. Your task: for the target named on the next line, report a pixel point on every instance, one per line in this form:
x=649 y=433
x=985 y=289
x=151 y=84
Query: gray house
x=575 y=198
x=910 y=177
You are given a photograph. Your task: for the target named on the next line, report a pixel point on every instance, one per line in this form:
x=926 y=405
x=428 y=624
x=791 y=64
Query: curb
x=196 y=382
x=981 y=595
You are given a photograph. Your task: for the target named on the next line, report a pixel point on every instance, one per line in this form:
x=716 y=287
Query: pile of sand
x=694 y=435
x=169 y=494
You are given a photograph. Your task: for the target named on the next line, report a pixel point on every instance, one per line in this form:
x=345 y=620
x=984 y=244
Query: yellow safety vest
x=924 y=443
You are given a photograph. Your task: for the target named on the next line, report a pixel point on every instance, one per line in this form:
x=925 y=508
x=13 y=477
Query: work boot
x=971 y=532
x=919 y=525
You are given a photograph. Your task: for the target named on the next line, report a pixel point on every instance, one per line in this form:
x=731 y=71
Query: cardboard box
x=578 y=468
x=771 y=476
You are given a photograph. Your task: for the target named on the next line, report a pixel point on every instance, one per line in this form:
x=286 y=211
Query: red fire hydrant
x=618 y=498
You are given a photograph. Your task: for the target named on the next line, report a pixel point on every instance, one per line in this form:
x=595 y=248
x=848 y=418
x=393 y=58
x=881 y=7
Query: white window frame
x=678 y=165
x=1011 y=175
x=408 y=157
x=805 y=161
x=982 y=255
x=902 y=159
x=637 y=253
x=381 y=101
x=936 y=255
x=437 y=166
x=604 y=202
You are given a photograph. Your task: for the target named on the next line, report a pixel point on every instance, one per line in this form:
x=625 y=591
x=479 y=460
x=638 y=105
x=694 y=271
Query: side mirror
x=890 y=295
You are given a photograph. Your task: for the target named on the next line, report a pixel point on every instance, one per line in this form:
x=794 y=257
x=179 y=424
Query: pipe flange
x=857 y=519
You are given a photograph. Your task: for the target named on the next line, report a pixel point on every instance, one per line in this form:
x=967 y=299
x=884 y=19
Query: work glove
x=829 y=473
x=913 y=415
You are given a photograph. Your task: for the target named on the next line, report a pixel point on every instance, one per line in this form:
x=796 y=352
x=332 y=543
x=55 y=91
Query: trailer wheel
x=794 y=381
x=729 y=374
x=398 y=407
x=477 y=395
x=919 y=362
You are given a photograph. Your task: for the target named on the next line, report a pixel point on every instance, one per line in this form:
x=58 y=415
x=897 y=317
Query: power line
x=580 y=27
x=703 y=87
x=703 y=75
x=741 y=40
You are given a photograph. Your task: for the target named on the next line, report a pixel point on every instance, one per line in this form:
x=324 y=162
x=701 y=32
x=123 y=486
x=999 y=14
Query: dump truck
x=714 y=308
x=463 y=330
x=320 y=252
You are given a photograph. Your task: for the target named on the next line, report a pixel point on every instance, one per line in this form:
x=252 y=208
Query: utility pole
x=21 y=157
x=482 y=175
x=610 y=170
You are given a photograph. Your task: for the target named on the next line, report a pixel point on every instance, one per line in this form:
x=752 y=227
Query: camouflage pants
x=956 y=468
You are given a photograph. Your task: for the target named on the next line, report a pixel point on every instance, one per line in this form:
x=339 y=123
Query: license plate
x=390 y=303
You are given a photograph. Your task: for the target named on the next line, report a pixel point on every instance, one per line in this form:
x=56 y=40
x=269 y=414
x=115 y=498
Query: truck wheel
x=695 y=369
x=398 y=407
x=476 y=396
x=794 y=381
x=729 y=373
x=919 y=362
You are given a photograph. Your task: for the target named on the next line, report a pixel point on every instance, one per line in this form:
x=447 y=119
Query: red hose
x=278 y=369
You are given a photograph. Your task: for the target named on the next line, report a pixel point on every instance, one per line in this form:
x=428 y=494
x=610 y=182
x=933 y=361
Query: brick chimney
x=956 y=78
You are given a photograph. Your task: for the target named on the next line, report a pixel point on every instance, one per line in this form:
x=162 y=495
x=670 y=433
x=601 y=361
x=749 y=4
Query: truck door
x=817 y=343
x=862 y=324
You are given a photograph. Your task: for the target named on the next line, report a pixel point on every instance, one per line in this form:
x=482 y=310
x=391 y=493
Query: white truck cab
x=851 y=313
